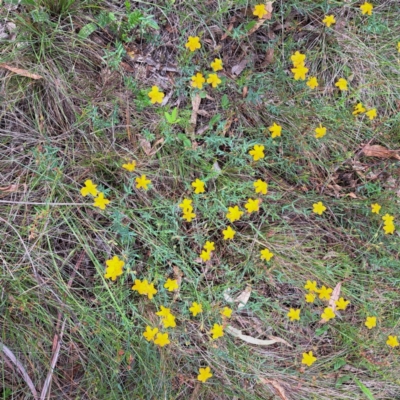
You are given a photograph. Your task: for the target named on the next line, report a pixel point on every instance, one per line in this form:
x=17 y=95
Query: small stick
x=10 y=355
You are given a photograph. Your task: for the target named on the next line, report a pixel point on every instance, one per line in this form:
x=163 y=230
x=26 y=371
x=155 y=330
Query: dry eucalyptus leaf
x=243 y=298
x=10 y=188
x=22 y=72
x=277 y=386
x=228 y=298
x=248 y=339
x=335 y=296
x=379 y=151
x=238 y=68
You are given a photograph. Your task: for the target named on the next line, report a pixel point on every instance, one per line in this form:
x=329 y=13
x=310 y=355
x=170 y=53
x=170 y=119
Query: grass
x=90 y=113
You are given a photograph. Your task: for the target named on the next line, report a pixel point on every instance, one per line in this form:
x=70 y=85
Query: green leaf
x=249 y=26
x=322 y=330
x=185 y=140
x=364 y=389
x=339 y=364
x=343 y=379
x=87 y=30
x=173 y=117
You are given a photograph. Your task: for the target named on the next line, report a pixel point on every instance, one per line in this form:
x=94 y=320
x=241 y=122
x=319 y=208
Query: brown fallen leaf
x=230 y=27
x=379 y=151
x=196 y=100
x=269 y=58
x=335 y=296
x=148 y=148
x=248 y=339
x=277 y=386
x=9 y=189
x=22 y=72
x=268 y=7
x=238 y=68
x=243 y=298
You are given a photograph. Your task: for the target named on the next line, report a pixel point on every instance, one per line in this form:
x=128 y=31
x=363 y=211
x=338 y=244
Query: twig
x=10 y=355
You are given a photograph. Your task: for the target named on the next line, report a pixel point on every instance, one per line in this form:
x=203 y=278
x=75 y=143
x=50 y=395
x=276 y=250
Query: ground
x=75 y=78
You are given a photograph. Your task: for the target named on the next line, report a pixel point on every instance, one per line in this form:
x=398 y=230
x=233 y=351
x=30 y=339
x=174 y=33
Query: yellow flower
x=162 y=339
x=234 y=214
x=205 y=255
x=260 y=11
x=155 y=95
x=140 y=287
x=100 y=201
x=311 y=286
x=320 y=131
x=213 y=80
x=89 y=188
x=341 y=84
x=294 y=314
x=388 y=219
x=319 y=208
x=198 y=186
x=366 y=8
x=114 y=268
x=171 y=285
x=151 y=291
x=188 y=215
x=196 y=308
x=217 y=331
x=392 y=341
x=150 y=333
x=266 y=254
x=144 y=288
x=370 y=322
x=308 y=359
x=204 y=374
x=252 y=205
x=226 y=312
x=186 y=205
x=198 y=80
x=169 y=321
x=398 y=47
x=312 y=82
x=209 y=246
x=228 y=233
x=375 y=208
x=299 y=72
x=329 y=20
x=142 y=182
x=261 y=186
x=342 y=304
x=310 y=297
x=389 y=228
x=257 y=152
x=328 y=314
x=193 y=43
x=216 y=65
x=359 y=109
x=371 y=114
x=324 y=293
x=164 y=312
x=275 y=130
x=298 y=59
x=129 y=166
